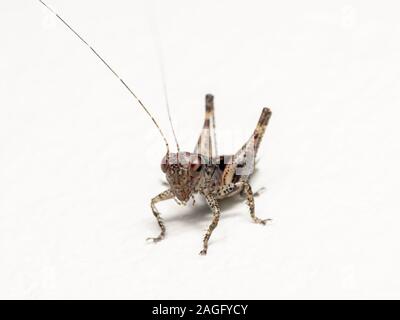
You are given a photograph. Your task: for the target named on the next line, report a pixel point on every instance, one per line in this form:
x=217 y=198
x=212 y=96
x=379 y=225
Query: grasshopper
x=215 y=177
x=202 y=171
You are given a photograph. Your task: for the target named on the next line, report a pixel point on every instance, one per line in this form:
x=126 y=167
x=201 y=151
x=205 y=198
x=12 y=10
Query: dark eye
x=164 y=163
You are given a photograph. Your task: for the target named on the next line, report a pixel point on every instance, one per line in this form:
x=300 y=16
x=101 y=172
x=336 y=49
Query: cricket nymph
x=203 y=171
x=215 y=177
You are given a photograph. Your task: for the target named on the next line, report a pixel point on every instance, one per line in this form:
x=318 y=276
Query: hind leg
x=250 y=202
x=207 y=143
x=255 y=194
x=234 y=188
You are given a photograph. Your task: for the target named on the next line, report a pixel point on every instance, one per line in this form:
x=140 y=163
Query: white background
x=79 y=161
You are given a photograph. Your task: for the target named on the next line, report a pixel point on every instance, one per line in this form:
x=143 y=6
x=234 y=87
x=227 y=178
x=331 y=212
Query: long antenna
x=166 y=98
x=111 y=69
x=158 y=45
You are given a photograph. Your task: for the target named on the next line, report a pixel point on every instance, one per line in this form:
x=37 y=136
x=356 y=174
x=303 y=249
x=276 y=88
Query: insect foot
x=203 y=252
x=155 y=240
x=262 y=221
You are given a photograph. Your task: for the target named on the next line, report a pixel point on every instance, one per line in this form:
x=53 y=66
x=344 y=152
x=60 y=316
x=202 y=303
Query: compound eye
x=164 y=164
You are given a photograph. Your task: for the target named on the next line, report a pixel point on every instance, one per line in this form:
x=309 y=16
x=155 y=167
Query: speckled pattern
x=162 y=196
x=215 y=177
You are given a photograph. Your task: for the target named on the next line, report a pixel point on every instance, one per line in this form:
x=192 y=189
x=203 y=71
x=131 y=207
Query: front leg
x=212 y=202
x=166 y=195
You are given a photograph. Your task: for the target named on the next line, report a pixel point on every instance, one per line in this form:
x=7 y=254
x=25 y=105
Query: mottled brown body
x=215 y=177
x=203 y=171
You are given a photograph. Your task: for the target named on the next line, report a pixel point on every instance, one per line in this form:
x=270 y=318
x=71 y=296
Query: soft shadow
x=201 y=213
